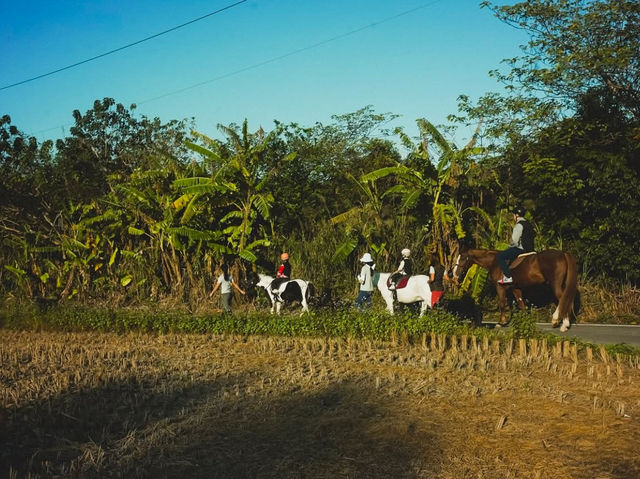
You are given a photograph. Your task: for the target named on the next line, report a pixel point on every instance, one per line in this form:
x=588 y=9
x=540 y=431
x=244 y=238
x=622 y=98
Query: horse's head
x=263 y=281
x=461 y=265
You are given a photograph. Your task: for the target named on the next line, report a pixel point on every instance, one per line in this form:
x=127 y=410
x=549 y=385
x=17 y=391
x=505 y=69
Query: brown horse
x=554 y=267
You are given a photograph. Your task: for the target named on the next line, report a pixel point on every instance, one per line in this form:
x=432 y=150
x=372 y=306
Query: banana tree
x=363 y=222
x=235 y=196
x=440 y=185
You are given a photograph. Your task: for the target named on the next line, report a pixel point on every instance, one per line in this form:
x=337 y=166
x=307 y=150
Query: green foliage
x=347 y=323
x=523 y=325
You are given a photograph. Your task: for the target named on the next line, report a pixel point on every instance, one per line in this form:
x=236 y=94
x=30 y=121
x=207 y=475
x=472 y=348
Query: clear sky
x=264 y=60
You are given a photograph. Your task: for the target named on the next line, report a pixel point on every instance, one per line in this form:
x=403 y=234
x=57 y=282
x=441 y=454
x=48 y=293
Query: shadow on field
x=48 y=436
x=213 y=429
x=335 y=432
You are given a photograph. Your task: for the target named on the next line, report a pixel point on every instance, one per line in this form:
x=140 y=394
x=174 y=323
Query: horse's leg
x=502 y=304
x=389 y=305
x=555 y=316
x=388 y=299
x=517 y=293
x=566 y=300
x=556 y=286
x=305 y=305
x=278 y=306
x=423 y=308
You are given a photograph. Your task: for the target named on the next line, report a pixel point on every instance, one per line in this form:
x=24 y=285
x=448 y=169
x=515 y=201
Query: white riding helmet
x=366 y=258
x=406 y=252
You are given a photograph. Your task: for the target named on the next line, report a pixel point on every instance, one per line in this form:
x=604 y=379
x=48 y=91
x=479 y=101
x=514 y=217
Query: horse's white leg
x=278 y=306
x=273 y=307
x=389 y=306
x=555 y=317
x=423 y=308
x=388 y=298
x=566 y=324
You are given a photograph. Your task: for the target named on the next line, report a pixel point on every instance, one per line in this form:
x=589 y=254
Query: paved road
x=595 y=333
x=599 y=333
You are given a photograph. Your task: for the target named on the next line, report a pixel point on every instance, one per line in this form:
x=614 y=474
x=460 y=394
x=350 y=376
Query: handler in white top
x=225 y=281
x=365 y=278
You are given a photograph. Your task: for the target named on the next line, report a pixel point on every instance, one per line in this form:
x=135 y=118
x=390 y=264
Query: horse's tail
x=566 y=302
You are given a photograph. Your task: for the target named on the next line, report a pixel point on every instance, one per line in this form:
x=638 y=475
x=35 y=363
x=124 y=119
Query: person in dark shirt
x=522 y=239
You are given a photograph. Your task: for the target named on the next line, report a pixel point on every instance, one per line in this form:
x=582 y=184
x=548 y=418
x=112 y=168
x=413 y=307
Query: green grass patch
x=377 y=325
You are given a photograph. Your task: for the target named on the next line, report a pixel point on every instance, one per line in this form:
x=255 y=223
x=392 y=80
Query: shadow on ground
x=210 y=429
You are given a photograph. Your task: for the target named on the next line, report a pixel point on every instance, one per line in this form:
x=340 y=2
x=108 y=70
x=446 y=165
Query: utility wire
x=280 y=57
x=294 y=52
x=123 y=47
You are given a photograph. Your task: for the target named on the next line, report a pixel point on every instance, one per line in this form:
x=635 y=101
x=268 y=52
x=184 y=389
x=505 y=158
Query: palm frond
x=343 y=217
x=231 y=215
x=344 y=250
x=212 y=155
x=263 y=204
x=248 y=255
x=190 y=210
x=383 y=172
x=427 y=128
x=195 y=235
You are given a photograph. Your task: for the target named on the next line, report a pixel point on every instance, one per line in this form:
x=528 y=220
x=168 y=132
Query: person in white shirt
x=405 y=268
x=365 y=278
x=225 y=282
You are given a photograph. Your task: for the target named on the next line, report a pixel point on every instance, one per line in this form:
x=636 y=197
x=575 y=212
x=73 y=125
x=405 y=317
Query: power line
x=277 y=58
x=294 y=52
x=123 y=47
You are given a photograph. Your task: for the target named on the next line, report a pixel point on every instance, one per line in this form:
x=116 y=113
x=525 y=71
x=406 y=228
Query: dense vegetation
x=128 y=208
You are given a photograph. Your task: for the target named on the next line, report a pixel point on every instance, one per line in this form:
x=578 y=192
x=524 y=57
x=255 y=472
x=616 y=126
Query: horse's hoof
x=555 y=324
x=565 y=326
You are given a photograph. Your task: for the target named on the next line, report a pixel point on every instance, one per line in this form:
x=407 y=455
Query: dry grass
x=101 y=405
x=614 y=304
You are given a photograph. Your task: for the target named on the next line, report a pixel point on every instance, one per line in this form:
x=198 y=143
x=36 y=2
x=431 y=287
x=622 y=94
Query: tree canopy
x=127 y=207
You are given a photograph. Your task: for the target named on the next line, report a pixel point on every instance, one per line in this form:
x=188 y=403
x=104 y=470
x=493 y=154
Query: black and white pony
x=288 y=291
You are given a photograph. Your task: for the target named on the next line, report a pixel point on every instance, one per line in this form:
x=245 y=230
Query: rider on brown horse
x=522 y=239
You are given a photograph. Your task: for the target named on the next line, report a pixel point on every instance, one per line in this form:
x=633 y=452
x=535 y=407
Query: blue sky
x=264 y=60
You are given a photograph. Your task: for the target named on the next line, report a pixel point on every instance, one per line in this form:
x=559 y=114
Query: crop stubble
x=138 y=405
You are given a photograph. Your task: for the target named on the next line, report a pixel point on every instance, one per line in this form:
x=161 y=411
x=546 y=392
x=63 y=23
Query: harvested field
x=104 y=405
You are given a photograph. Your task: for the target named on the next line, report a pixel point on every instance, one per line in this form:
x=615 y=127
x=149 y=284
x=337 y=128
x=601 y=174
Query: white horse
x=417 y=289
x=289 y=290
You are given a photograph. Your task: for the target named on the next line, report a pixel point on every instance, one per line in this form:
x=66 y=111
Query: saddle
x=400 y=284
x=520 y=258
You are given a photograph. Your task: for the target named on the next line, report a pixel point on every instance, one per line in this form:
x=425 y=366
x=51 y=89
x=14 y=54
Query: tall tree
x=109 y=140
x=568 y=123
x=239 y=184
